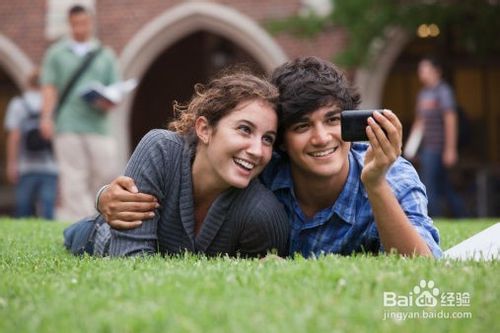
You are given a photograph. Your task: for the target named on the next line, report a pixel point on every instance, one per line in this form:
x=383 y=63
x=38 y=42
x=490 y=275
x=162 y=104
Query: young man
x=84 y=147
x=437 y=119
x=340 y=197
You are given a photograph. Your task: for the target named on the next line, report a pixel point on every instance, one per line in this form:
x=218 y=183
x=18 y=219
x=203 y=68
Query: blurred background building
x=170 y=45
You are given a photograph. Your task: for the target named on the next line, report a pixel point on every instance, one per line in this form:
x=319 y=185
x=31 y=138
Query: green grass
x=44 y=289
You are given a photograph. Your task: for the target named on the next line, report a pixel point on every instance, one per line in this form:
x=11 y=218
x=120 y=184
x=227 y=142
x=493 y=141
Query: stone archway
x=177 y=23
x=370 y=79
x=14 y=61
x=15 y=66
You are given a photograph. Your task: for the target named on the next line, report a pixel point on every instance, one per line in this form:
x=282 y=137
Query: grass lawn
x=45 y=289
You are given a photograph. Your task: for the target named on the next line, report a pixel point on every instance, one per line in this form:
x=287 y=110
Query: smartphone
x=353 y=124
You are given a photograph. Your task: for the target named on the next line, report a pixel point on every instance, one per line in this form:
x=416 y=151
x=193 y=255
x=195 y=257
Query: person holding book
x=84 y=148
x=340 y=197
x=204 y=174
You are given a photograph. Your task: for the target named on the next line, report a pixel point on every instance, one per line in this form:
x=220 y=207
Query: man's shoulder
x=108 y=52
x=57 y=47
x=401 y=175
x=276 y=171
x=358 y=151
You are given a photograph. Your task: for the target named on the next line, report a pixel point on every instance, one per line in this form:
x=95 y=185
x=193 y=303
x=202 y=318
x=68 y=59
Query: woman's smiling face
x=241 y=144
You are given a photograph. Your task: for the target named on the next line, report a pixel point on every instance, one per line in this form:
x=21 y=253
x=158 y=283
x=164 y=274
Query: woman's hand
x=385 y=133
x=123 y=206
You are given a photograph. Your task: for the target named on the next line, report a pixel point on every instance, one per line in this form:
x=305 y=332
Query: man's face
x=428 y=74
x=315 y=147
x=81 y=26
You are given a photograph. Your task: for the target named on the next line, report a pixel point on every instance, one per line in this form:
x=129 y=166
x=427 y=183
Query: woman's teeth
x=245 y=164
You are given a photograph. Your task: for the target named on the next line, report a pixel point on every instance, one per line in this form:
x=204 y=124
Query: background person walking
x=33 y=170
x=437 y=118
x=84 y=148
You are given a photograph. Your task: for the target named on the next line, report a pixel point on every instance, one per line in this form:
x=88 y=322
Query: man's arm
x=13 y=141
x=395 y=230
x=123 y=206
x=450 y=153
x=49 y=100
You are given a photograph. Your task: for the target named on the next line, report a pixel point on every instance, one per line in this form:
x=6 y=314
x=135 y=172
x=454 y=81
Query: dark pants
x=79 y=237
x=435 y=178
x=36 y=189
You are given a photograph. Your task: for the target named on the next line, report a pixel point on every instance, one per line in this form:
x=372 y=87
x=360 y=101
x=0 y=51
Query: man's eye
x=300 y=127
x=333 y=120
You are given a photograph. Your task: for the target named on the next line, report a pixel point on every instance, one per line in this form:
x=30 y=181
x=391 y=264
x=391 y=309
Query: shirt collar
x=70 y=43
x=282 y=178
x=345 y=205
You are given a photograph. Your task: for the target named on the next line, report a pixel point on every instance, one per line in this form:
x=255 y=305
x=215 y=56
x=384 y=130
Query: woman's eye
x=245 y=129
x=268 y=140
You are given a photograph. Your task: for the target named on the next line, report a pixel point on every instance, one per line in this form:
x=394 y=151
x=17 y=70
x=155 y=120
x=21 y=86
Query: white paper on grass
x=484 y=245
x=114 y=93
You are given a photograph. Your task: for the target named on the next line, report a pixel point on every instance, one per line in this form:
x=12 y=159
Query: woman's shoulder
x=162 y=137
x=258 y=197
x=159 y=146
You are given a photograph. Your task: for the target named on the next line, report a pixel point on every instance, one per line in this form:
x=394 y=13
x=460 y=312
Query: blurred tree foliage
x=473 y=25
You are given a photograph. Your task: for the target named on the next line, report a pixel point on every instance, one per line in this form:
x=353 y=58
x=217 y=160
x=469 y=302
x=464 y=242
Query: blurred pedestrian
x=84 y=147
x=437 y=120
x=30 y=164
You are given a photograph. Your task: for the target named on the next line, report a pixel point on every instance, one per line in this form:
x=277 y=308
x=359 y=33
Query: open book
x=484 y=245
x=113 y=93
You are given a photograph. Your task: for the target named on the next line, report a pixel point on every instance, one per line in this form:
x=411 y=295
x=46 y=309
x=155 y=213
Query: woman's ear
x=203 y=129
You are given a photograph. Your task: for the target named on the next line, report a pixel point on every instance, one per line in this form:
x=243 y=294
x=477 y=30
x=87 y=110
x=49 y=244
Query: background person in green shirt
x=84 y=147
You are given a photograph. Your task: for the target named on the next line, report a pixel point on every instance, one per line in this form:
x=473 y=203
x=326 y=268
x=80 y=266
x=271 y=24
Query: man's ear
x=203 y=129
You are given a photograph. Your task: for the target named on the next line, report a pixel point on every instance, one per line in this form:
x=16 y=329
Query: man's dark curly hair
x=308 y=83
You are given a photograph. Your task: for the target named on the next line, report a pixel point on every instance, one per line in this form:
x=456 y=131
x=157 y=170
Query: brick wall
x=23 y=22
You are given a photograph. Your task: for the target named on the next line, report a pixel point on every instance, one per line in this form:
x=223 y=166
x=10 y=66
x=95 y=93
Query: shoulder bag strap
x=74 y=78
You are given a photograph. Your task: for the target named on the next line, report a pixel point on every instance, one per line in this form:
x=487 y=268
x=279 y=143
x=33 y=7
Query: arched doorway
x=172 y=75
x=183 y=24
x=14 y=68
x=8 y=89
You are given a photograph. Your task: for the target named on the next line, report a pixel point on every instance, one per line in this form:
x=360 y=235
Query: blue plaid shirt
x=348 y=226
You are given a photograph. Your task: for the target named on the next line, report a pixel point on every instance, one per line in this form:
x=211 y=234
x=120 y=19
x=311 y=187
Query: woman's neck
x=206 y=187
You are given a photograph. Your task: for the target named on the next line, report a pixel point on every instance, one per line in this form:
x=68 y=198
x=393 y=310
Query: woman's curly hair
x=220 y=97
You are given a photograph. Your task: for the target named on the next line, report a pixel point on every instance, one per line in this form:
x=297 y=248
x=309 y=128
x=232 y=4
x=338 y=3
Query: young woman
x=203 y=173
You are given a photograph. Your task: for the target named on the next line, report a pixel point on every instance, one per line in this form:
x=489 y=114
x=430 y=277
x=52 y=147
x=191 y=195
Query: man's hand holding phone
x=384 y=131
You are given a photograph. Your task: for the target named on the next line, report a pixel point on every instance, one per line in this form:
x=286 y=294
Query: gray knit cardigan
x=247 y=222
